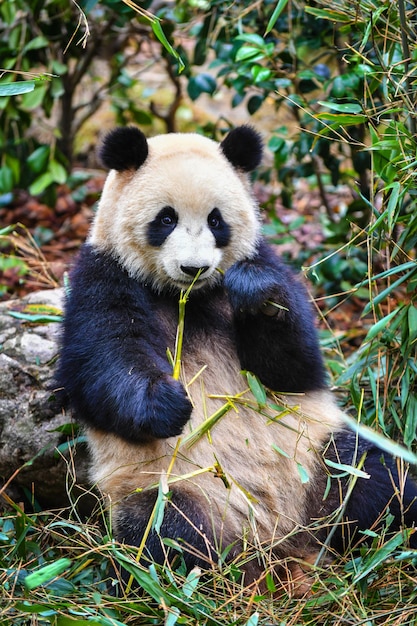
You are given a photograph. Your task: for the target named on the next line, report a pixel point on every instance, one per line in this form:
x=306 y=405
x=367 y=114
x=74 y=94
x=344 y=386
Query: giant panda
x=245 y=478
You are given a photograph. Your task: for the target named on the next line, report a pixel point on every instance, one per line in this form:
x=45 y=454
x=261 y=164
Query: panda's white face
x=186 y=209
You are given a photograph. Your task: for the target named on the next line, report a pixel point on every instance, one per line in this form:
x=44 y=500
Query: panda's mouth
x=209 y=277
x=196 y=284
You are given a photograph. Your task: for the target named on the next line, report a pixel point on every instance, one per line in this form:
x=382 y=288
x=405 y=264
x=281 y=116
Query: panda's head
x=178 y=203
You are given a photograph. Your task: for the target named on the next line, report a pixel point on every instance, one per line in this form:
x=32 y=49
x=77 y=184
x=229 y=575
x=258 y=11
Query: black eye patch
x=219 y=228
x=162 y=226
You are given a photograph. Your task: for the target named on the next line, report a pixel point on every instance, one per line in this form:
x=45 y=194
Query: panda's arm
x=113 y=363
x=277 y=343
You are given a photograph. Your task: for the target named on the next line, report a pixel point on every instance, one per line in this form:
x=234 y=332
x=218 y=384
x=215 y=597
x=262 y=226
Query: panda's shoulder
x=97 y=277
x=92 y=264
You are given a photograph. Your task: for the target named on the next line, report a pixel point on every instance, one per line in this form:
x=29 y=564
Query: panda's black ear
x=243 y=147
x=123 y=149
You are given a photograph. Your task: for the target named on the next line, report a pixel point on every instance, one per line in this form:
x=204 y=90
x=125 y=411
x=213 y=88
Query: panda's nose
x=190 y=270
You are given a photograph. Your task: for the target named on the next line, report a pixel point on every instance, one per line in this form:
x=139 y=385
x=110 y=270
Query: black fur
x=184 y=522
x=162 y=226
x=219 y=227
x=282 y=349
x=113 y=362
x=371 y=497
x=124 y=149
x=243 y=148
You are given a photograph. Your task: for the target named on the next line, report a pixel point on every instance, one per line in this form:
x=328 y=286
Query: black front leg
x=274 y=322
x=113 y=363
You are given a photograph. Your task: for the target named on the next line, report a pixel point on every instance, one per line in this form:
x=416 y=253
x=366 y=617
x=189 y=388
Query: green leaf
x=350 y=107
x=14 y=163
x=35 y=44
x=329 y=14
x=15 y=89
x=29 y=607
x=393 y=448
x=381 y=555
x=410 y=426
x=275 y=15
x=412 y=323
x=201 y=83
x=58 y=172
x=255 y=103
x=303 y=474
x=380 y=325
x=34 y=99
x=6 y=179
x=393 y=204
x=143 y=577
x=257 y=389
x=260 y=73
x=191 y=582
x=386 y=292
x=347 y=469
x=252 y=38
x=46 y=573
x=160 y=35
x=342 y=118
x=249 y=52
x=41 y=183
x=38 y=160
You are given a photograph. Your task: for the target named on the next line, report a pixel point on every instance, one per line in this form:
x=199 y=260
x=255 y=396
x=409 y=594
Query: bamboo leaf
x=191 y=582
x=412 y=323
x=381 y=555
x=173 y=613
x=253 y=620
x=281 y=4
x=303 y=474
x=257 y=389
x=350 y=107
x=15 y=89
x=46 y=573
x=347 y=119
x=348 y=469
x=329 y=14
x=160 y=35
x=381 y=325
x=392 y=447
x=383 y=294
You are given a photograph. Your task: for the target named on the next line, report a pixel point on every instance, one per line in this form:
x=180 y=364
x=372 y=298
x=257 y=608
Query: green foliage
x=382 y=374
x=47 y=37
x=56 y=571
x=342 y=76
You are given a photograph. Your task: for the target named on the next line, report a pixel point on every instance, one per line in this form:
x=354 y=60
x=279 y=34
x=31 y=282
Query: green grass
x=56 y=569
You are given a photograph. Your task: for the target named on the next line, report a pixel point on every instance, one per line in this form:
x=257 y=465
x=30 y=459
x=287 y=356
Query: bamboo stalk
x=180 y=328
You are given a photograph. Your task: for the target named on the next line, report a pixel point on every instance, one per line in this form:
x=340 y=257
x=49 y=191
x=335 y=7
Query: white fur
x=266 y=492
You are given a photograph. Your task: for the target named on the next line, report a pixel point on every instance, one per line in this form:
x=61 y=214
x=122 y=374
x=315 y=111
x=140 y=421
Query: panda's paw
x=166 y=409
x=253 y=288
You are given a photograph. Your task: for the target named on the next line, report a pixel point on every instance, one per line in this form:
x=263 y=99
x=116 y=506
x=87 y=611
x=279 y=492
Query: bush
x=43 y=41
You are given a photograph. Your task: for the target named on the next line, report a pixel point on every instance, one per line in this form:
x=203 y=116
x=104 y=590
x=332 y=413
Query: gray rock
x=37 y=460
